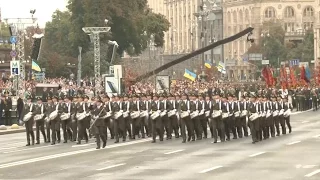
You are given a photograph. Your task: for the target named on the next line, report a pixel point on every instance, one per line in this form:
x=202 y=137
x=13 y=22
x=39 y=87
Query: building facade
x=296 y=16
x=187 y=31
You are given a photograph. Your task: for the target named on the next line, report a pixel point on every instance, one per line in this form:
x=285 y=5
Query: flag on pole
x=221 y=68
x=36 y=67
x=208 y=64
x=190 y=75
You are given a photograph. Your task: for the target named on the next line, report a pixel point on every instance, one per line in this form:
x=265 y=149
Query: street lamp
x=115 y=45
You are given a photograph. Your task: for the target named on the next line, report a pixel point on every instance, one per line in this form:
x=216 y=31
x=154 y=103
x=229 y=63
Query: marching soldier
x=47 y=121
x=202 y=117
x=184 y=110
x=135 y=120
x=149 y=100
x=243 y=129
x=287 y=107
x=53 y=111
x=99 y=124
x=217 y=121
x=231 y=119
x=28 y=115
x=144 y=106
x=237 y=120
x=157 y=125
x=225 y=108
x=40 y=111
x=109 y=121
x=208 y=111
x=74 y=123
x=172 y=107
x=88 y=107
x=263 y=119
x=117 y=107
x=69 y=109
x=80 y=109
x=192 y=124
x=281 y=117
x=254 y=125
x=164 y=117
x=126 y=117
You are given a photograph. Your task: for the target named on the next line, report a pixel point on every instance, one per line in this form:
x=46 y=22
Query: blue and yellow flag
x=208 y=64
x=190 y=75
x=36 y=67
x=221 y=67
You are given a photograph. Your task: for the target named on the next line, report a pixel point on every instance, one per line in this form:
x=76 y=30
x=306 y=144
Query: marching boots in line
x=158 y=114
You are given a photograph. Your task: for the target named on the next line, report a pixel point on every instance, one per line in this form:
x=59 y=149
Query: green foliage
x=274 y=48
x=305 y=50
x=131 y=22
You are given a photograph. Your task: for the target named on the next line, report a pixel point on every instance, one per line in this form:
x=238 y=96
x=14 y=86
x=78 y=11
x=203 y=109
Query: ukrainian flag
x=190 y=75
x=36 y=67
x=208 y=64
x=221 y=67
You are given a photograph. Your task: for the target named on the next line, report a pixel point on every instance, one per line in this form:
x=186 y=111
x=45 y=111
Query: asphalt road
x=293 y=156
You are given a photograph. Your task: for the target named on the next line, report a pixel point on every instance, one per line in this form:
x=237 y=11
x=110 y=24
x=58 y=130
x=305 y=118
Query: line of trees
x=132 y=24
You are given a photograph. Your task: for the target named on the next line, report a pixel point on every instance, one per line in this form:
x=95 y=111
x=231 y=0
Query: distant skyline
x=44 y=9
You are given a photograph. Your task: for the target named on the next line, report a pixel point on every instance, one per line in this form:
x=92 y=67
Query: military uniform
x=29 y=108
x=98 y=123
x=68 y=108
x=157 y=125
x=40 y=110
x=119 y=123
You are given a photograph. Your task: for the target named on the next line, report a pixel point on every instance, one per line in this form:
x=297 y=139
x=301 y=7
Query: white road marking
x=295 y=142
x=313 y=173
x=23 y=162
x=316 y=136
x=28 y=149
x=82 y=145
x=210 y=169
x=256 y=154
x=309 y=166
x=304 y=122
x=109 y=167
x=172 y=152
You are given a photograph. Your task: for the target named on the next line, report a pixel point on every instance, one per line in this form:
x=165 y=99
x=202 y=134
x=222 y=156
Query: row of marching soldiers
x=152 y=115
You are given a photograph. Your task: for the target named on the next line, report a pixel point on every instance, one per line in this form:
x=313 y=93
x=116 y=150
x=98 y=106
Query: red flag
x=270 y=77
x=292 y=78
x=265 y=76
x=303 y=75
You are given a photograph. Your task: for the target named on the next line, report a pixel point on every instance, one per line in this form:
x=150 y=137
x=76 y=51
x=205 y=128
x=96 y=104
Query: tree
x=305 y=50
x=128 y=19
x=271 y=45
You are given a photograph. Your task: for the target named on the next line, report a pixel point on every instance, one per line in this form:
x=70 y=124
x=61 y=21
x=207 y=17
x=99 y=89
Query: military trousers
x=40 y=128
x=157 y=128
x=119 y=128
x=218 y=128
x=29 y=130
x=66 y=125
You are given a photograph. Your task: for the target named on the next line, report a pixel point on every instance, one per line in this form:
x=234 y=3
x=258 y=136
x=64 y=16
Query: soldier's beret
x=39 y=98
x=48 y=98
x=85 y=97
x=55 y=97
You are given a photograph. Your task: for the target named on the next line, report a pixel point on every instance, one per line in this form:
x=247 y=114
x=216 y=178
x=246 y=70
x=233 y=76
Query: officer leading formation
x=188 y=116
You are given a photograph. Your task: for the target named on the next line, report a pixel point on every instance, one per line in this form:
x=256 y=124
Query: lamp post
x=79 y=67
x=94 y=33
x=17 y=25
x=115 y=45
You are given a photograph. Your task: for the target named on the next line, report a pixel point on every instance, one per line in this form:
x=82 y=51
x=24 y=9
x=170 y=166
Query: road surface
x=293 y=156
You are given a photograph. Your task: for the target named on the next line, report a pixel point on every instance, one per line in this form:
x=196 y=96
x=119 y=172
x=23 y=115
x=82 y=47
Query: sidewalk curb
x=4 y=132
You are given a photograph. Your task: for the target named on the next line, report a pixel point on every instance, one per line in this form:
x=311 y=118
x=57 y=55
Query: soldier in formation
x=227 y=115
